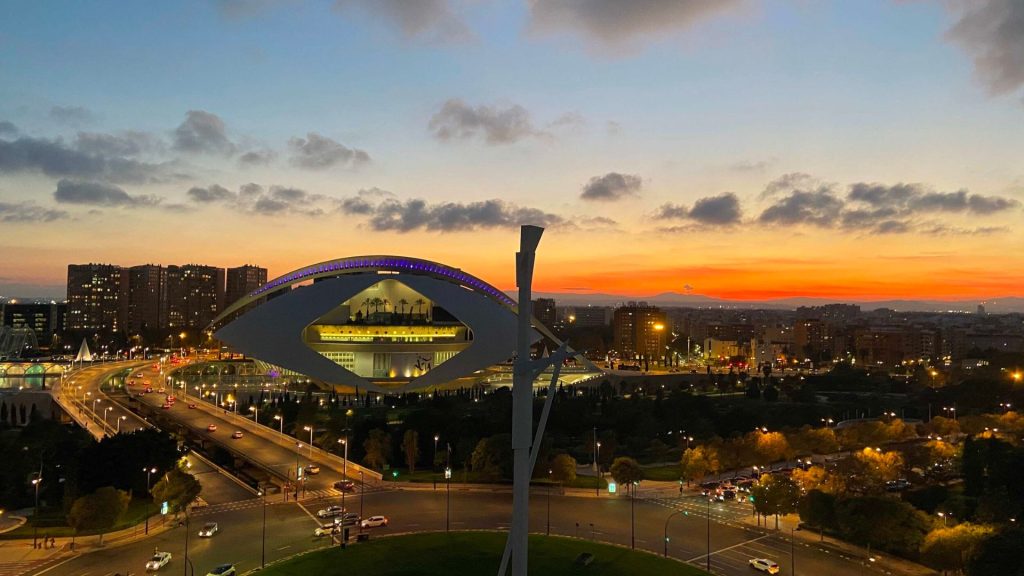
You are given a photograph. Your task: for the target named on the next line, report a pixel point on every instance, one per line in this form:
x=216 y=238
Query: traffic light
x=394 y=474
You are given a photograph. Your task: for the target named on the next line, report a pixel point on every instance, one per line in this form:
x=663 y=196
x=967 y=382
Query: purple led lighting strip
x=393 y=263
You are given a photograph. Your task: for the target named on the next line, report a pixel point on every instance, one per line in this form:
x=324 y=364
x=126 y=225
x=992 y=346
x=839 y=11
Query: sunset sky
x=740 y=149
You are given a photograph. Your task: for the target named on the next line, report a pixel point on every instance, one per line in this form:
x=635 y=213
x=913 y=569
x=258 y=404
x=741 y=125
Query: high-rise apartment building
x=639 y=331
x=243 y=280
x=147 y=298
x=96 y=297
x=544 y=311
x=46 y=320
x=195 y=295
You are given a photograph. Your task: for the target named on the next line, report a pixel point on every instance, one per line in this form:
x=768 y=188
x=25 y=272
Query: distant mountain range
x=994 y=305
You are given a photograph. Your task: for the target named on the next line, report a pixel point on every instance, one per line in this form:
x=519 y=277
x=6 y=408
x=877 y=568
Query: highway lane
x=278 y=453
x=290 y=527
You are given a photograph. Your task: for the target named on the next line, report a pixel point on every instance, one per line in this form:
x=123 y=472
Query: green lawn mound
x=472 y=553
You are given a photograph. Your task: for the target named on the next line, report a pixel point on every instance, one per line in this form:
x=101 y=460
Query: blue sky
x=695 y=102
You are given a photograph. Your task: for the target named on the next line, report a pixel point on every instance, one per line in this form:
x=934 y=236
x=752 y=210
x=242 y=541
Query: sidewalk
x=647 y=489
x=879 y=561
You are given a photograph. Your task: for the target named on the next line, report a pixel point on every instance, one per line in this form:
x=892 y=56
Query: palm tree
x=419 y=305
x=367 y=303
x=402 y=304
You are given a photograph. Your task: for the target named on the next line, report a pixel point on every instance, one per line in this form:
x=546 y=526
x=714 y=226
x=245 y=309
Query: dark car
x=345 y=485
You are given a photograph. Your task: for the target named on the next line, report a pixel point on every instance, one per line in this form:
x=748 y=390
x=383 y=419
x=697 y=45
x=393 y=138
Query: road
x=289 y=525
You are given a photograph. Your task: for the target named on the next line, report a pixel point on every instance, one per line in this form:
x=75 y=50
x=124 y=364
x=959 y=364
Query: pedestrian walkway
x=18 y=557
x=723 y=512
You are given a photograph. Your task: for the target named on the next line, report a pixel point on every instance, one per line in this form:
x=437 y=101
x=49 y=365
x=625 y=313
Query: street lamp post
x=187 y=530
x=35 y=515
x=263 y=536
x=105 y=410
x=149 y=472
x=344 y=469
x=310 y=430
x=256 y=417
x=298 y=447
x=597 y=458
x=632 y=515
x=792 y=551
x=362 y=489
x=549 y=502
x=94 y=406
x=281 y=420
x=666 y=529
x=709 y=536
x=119 y=420
x=448 y=488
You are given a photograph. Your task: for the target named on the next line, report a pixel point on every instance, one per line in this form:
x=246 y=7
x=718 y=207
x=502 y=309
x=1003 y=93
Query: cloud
x=202 y=132
x=8 y=128
x=98 y=194
x=416 y=214
x=211 y=194
x=877 y=208
x=269 y=206
x=819 y=207
x=992 y=32
x=129 y=143
x=257 y=158
x=721 y=209
x=457 y=120
x=252 y=198
x=28 y=212
x=55 y=158
x=611 y=187
x=748 y=166
x=909 y=199
x=788 y=183
x=670 y=211
x=317 y=152
x=429 y=20
x=612 y=23
x=568 y=121
x=72 y=115
x=364 y=202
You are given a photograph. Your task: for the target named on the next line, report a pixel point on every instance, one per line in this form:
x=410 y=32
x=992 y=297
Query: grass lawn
x=55 y=524
x=670 y=472
x=470 y=553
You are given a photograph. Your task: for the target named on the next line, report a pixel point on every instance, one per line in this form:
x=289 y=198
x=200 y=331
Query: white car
x=764 y=565
x=374 y=521
x=208 y=529
x=326 y=530
x=330 y=512
x=158 y=561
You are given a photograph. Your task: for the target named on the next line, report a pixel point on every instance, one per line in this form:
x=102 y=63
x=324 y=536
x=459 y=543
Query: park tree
x=492 y=457
x=999 y=554
x=883 y=522
x=378 y=449
x=626 y=471
x=698 y=462
x=952 y=548
x=941 y=426
x=563 y=469
x=809 y=440
x=818 y=509
x=98 y=511
x=769 y=447
x=871 y=468
x=817 y=478
x=178 y=488
x=411 y=448
x=774 y=495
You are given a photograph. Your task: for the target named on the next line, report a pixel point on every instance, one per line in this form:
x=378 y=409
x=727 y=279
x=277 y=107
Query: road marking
x=729 y=548
x=283 y=547
x=308 y=513
x=58 y=564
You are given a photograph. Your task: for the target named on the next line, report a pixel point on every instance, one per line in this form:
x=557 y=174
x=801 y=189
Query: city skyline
x=743 y=151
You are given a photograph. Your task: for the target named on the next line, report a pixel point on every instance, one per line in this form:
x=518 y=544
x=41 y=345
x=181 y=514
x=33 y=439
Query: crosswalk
x=722 y=512
x=736 y=559
x=309 y=496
